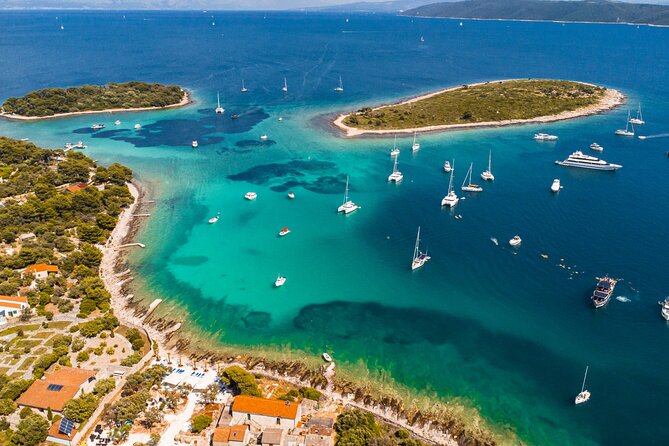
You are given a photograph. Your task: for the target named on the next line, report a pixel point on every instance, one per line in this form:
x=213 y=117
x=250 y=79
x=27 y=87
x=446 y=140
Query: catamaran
x=639 y=118
x=627 y=131
x=340 y=87
x=487 y=174
x=285 y=85
x=396 y=176
x=219 y=109
x=395 y=150
x=467 y=185
x=419 y=258
x=348 y=206
x=584 y=394
x=244 y=89
x=415 y=146
x=451 y=199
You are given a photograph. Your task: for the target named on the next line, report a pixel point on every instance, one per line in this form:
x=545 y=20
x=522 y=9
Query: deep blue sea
x=504 y=330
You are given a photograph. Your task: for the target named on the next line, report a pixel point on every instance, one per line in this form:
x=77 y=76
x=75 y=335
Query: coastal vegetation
x=87 y=98
x=601 y=11
x=480 y=103
x=358 y=428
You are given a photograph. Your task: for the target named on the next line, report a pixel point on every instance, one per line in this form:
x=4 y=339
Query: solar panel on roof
x=66 y=426
x=54 y=387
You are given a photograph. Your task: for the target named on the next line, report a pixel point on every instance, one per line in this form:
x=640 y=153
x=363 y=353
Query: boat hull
x=607 y=167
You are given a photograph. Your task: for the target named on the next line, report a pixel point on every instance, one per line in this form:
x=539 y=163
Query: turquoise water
x=506 y=329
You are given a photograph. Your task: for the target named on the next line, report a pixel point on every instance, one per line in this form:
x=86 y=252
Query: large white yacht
x=578 y=159
x=419 y=258
x=396 y=176
x=348 y=206
x=451 y=199
x=545 y=137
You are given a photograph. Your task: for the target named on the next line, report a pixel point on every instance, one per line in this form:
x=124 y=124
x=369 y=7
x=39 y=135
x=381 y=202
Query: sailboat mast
x=584 y=377
x=395 y=165
x=346 y=192
x=450 y=182
x=490 y=161
x=218 y=99
x=415 y=250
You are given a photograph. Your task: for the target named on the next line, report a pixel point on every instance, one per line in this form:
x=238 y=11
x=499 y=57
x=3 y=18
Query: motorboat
x=451 y=199
x=80 y=145
x=194 y=144
x=117 y=122
x=626 y=131
x=467 y=184
x=348 y=206
x=279 y=281
x=578 y=159
x=219 y=110
x=596 y=147
x=584 y=394
x=138 y=126
x=665 y=308
x=250 y=196
x=415 y=146
x=447 y=166
x=291 y=195
x=234 y=116
x=545 y=137
x=555 y=187
x=213 y=220
x=487 y=175
x=603 y=291
x=326 y=357
x=638 y=120
x=419 y=258
x=97 y=126
x=263 y=137
x=396 y=176
x=515 y=241
x=284 y=231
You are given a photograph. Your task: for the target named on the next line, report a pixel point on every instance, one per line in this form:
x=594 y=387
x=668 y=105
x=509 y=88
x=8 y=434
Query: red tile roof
x=39 y=396
x=263 y=406
x=77 y=187
x=53 y=432
x=16 y=299
x=41 y=267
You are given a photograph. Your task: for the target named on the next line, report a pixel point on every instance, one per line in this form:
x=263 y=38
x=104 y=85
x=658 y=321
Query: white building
x=267 y=413
x=12 y=306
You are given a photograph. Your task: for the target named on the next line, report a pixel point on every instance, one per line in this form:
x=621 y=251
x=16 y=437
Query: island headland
x=52 y=103
x=486 y=104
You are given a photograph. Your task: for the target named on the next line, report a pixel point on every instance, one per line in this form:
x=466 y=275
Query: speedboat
x=596 y=147
x=419 y=258
x=284 y=231
x=545 y=137
x=68 y=146
x=327 y=357
x=117 y=122
x=263 y=137
x=291 y=195
x=235 y=116
x=250 y=195
x=555 y=187
x=578 y=159
x=348 y=206
x=447 y=166
x=396 y=176
x=80 y=145
x=584 y=394
x=603 y=291
x=515 y=241
x=97 y=126
x=665 y=308
x=194 y=144
x=279 y=281
x=213 y=220
x=138 y=126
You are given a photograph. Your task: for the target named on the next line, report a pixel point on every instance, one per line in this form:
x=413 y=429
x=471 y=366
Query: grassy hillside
x=490 y=102
x=570 y=11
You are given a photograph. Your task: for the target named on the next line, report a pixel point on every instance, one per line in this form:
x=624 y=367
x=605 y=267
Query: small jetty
x=129 y=245
x=141 y=215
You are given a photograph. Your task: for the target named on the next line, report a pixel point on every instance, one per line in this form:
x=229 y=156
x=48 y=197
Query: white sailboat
x=467 y=185
x=340 y=87
x=285 y=85
x=395 y=150
x=627 y=131
x=244 y=89
x=415 y=146
x=487 y=174
x=348 y=206
x=419 y=258
x=396 y=176
x=219 y=109
x=451 y=199
x=280 y=280
x=584 y=394
x=639 y=118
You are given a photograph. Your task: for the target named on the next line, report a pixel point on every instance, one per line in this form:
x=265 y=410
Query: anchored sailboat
x=415 y=146
x=348 y=206
x=639 y=118
x=627 y=131
x=285 y=85
x=340 y=87
x=244 y=89
x=584 y=394
x=396 y=176
x=487 y=174
x=451 y=199
x=219 y=109
x=395 y=150
x=419 y=258
x=467 y=185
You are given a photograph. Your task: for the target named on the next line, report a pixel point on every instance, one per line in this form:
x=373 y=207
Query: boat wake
x=623 y=299
x=494 y=240
x=660 y=135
